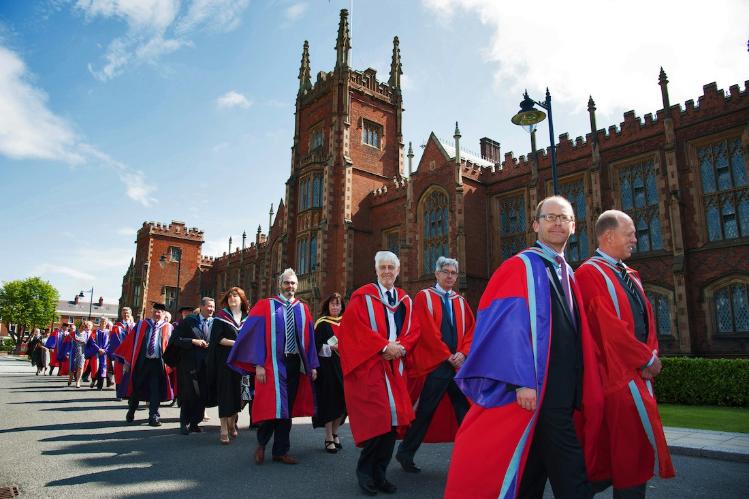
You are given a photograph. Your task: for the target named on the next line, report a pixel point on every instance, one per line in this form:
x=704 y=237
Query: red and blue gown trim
x=98 y=362
x=510 y=349
x=261 y=342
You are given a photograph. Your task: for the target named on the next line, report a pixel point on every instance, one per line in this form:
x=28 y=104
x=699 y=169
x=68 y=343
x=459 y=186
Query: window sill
x=730 y=336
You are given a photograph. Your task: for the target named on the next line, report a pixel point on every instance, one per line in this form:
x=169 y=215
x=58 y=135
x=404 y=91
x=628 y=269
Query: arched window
x=435 y=220
x=661 y=304
x=731 y=308
x=725 y=189
x=639 y=199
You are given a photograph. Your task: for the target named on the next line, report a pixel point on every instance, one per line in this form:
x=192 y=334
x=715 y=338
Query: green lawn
x=705 y=417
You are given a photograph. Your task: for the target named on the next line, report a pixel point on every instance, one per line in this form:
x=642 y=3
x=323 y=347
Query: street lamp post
x=163 y=262
x=528 y=117
x=91 y=301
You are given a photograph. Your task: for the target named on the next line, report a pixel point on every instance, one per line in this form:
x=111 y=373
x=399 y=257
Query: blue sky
x=113 y=112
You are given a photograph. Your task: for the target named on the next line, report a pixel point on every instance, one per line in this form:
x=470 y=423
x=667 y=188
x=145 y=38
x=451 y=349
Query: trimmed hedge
x=697 y=381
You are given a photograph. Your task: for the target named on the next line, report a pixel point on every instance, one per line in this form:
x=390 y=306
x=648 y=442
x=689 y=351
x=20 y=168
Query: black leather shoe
x=154 y=421
x=130 y=415
x=184 y=430
x=407 y=464
x=195 y=429
x=368 y=487
x=387 y=487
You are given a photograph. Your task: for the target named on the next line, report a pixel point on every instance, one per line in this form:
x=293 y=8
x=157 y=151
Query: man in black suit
x=555 y=452
x=193 y=334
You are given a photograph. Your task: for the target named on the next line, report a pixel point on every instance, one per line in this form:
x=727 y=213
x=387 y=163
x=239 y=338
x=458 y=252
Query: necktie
x=391 y=297
x=630 y=284
x=206 y=329
x=290 y=330
x=448 y=307
x=152 y=342
x=565 y=283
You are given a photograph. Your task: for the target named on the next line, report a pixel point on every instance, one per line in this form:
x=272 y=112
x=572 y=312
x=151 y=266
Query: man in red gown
x=375 y=335
x=445 y=325
x=142 y=352
x=622 y=324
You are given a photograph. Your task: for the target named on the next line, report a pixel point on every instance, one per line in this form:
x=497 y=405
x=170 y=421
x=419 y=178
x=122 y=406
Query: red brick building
x=682 y=175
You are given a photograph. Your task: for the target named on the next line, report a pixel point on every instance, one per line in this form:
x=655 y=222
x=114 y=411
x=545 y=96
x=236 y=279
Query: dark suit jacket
x=564 y=376
x=191 y=365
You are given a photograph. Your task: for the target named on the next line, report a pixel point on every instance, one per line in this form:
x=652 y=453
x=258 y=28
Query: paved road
x=58 y=442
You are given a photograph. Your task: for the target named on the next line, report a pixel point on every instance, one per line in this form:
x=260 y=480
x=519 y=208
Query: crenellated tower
x=347 y=142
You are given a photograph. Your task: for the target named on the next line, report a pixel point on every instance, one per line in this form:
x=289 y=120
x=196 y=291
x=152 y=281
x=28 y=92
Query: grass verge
x=734 y=419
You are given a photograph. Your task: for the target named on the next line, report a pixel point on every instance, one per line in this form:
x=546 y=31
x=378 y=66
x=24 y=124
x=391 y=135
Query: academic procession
x=552 y=379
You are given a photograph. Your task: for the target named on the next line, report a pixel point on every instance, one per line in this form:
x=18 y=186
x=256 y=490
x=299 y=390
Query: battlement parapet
x=174 y=229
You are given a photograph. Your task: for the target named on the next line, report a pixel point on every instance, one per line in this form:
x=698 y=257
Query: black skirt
x=329 y=384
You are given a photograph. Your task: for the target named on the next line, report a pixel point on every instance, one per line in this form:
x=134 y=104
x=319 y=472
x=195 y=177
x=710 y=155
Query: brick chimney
x=490 y=150
x=75 y=300
x=101 y=301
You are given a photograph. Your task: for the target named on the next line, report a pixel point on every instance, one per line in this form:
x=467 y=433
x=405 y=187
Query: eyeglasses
x=552 y=218
x=449 y=273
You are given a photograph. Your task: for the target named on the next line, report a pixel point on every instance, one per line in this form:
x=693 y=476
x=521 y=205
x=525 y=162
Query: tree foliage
x=30 y=303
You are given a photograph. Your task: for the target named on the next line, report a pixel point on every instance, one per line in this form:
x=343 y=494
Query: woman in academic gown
x=223 y=383
x=331 y=406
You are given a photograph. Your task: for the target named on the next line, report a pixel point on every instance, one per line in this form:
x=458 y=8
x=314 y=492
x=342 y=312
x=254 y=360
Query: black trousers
x=555 y=454
x=430 y=397
x=150 y=376
x=191 y=412
x=375 y=457
x=282 y=427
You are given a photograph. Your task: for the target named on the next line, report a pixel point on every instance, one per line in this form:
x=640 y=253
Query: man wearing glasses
x=445 y=332
x=532 y=366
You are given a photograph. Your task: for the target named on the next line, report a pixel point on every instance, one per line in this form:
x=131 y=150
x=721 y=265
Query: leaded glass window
x=577 y=245
x=512 y=225
x=662 y=312
x=639 y=199
x=392 y=241
x=302 y=251
x=435 y=220
x=725 y=189
x=313 y=252
x=732 y=308
x=371 y=134
x=317 y=191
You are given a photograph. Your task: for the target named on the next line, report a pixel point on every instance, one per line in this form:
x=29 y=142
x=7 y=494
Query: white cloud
x=156 y=28
x=295 y=11
x=612 y=52
x=30 y=130
x=232 y=99
x=46 y=269
x=126 y=231
x=214 y=15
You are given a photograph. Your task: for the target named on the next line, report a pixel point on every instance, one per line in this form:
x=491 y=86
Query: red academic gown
x=510 y=348
x=65 y=347
x=632 y=437
x=375 y=389
x=129 y=351
x=430 y=351
x=52 y=342
x=261 y=342
x=116 y=337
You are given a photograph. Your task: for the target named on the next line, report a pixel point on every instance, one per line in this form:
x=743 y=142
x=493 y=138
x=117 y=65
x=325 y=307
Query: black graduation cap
x=183 y=309
x=159 y=306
